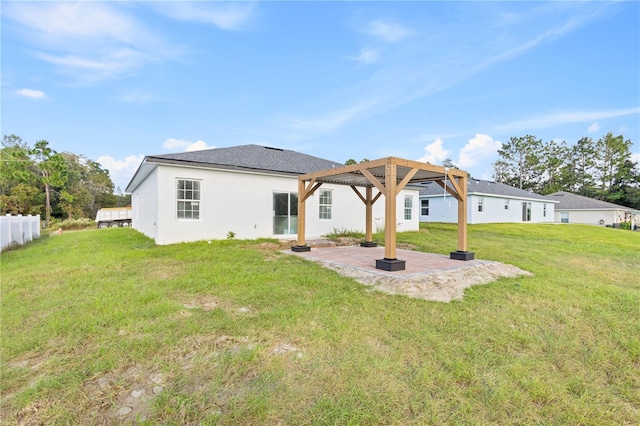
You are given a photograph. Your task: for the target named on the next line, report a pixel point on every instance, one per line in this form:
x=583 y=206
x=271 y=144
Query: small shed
x=388 y=176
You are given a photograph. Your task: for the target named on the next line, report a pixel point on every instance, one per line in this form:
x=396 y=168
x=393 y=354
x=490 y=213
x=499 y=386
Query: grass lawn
x=104 y=327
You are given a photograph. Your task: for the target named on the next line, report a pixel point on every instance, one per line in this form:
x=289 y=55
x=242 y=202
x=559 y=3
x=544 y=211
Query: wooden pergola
x=389 y=176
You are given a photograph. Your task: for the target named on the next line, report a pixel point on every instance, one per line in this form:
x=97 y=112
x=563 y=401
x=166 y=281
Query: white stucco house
x=488 y=202
x=573 y=208
x=247 y=191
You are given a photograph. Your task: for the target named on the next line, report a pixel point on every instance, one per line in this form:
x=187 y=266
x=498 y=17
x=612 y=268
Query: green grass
x=242 y=334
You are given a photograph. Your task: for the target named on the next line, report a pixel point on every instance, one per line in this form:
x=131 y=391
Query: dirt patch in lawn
x=440 y=286
x=124 y=395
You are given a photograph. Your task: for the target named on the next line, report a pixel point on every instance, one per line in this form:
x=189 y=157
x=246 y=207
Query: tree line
x=601 y=169
x=38 y=180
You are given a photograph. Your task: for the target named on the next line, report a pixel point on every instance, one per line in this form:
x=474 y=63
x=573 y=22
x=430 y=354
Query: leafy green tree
x=553 y=167
x=613 y=152
x=123 y=200
x=352 y=161
x=101 y=186
x=519 y=164
x=39 y=180
x=625 y=189
x=19 y=187
x=582 y=159
x=76 y=194
x=52 y=169
x=450 y=164
x=88 y=187
x=601 y=169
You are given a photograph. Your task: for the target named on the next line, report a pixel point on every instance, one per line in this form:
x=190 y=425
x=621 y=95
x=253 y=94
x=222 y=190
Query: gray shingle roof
x=252 y=157
x=476 y=186
x=569 y=201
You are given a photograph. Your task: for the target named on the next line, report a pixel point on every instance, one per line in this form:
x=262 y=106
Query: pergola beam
x=448 y=189
x=406 y=180
x=373 y=180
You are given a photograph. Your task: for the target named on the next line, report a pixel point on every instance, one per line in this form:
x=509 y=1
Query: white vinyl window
x=408 y=207
x=480 y=204
x=506 y=204
x=544 y=210
x=188 y=199
x=425 y=207
x=326 y=203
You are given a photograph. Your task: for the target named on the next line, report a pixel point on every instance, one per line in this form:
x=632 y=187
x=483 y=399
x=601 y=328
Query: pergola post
x=368 y=239
x=462 y=253
x=302 y=198
x=390 y=261
x=368 y=201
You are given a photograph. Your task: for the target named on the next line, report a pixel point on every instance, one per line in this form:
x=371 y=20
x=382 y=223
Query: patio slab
x=364 y=259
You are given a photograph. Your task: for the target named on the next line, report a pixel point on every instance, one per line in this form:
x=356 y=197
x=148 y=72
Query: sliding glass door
x=285 y=213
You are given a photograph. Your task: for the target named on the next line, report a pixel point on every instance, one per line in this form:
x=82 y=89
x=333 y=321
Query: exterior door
x=526 y=212
x=285 y=213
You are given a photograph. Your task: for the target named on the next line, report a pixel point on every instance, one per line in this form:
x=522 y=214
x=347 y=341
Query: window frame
x=408 y=209
x=423 y=208
x=480 y=204
x=182 y=213
x=325 y=209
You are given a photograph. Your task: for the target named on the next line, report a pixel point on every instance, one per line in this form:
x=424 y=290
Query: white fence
x=18 y=229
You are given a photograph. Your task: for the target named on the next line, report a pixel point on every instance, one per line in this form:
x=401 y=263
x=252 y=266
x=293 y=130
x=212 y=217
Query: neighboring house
x=488 y=202
x=572 y=208
x=247 y=191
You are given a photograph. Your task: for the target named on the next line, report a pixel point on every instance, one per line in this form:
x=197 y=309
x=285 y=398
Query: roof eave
x=144 y=169
x=215 y=166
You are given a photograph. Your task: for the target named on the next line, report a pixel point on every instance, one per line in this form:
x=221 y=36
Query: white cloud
x=635 y=158
x=552 y=120
x=89 y=40
x=31 y=93
x=199 y=146
x=111 y=64
x=595 y=126
x=121 y=171
x=388 y=31
x=366 y=56
x=90 y=19
x=327 y=122
x=227 y=16
x=173 y=144
x=434 y=153
x=477 y=149
x=449 y=53
x=622 y=130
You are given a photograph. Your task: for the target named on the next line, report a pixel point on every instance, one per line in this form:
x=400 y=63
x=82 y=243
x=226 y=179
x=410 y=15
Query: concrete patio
x=364 y=258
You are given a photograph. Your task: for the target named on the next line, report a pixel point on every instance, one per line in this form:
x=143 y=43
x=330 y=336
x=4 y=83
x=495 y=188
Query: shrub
x=625 y=225
x=71 y=224
x=344 y=232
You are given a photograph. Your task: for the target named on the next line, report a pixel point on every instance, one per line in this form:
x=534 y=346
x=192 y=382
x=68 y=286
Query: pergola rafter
x=390 y=176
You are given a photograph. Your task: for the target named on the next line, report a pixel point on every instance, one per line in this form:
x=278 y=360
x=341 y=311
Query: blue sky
x=115 y=81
